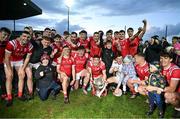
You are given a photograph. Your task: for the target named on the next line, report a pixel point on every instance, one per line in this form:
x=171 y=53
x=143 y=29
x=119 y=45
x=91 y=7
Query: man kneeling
x=45 y=79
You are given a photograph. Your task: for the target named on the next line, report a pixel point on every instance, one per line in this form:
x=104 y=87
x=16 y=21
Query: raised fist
x=144 y=21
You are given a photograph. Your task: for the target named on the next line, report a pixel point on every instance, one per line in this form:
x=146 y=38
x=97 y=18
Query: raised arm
x=143 y=29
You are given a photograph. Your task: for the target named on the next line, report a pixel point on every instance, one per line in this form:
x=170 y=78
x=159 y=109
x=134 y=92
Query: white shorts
x=36 y=65
x=16 y=63
x=78 y=75
x=119 y=78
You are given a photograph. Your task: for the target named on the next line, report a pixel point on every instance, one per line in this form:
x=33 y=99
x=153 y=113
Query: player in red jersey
x=142 y=70
x=4 y=37
x=65 y=69
x=57 y=48
x=135 y=39
x=109 y=34
x=115 y=42
x=83 y=40
x=95 y=48
x=172 y=74
x=80 y=61
x=73 y=43
x=15 y=52
x=97 y=71
x=123 y=45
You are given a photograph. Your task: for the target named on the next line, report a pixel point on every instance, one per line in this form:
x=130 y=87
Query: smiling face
x=119 y=59
x=4 y=36
x=81 y=52
x=165 y=61
x=66 y=51
x=83 y=36
x=96 y=61
x=130 y=33
x=45 y=62
x=24 y=39
x=122 y=35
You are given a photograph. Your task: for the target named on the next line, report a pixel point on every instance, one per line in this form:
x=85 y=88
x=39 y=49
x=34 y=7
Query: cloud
x=171 y=31
x=87 y=18
x=130 y=7
x=62 y=26
x=53 y=6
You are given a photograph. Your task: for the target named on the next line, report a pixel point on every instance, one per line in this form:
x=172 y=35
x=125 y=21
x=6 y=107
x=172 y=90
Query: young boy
x=155 y=85
x=45 y=79
x=116 y=69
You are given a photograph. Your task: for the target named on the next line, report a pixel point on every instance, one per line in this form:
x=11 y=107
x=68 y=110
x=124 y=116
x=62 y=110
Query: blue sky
x=94 y=15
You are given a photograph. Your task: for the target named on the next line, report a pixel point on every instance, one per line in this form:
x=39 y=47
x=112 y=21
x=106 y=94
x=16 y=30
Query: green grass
x=81 y=106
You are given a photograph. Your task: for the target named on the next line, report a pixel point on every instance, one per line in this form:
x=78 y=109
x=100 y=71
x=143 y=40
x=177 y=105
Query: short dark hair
x=57 y=36
x=26 y=27
x=96 y=32
x=116 y=32
x=47 y=29
x=46 y=38
x=65 y=33
x=25 y=32
x=130 y=28
x=37 y=33
x=83 y=31
x=166 y=54
x=53 y=29
x=121 y=31
x=5 y=30
x=109 y=31
x=74 y=33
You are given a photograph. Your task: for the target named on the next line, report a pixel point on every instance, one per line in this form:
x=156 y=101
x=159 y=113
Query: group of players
x=77 y=58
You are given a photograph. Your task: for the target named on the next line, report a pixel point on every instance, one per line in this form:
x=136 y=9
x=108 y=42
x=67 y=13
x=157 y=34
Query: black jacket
x=49 y=75
x=38 y=51
x=152 y=53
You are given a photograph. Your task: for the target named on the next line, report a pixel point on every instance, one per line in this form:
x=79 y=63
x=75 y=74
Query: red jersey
x=59 y=49
x=80 y=62
x=124 y=44
x=96 y=70
x=95 y=49
x=66 y=66
x=2 y=50
x=133 y=46
x=17 y=51
x=142 y=71
x=115 y=42
x=84 y=43
x=172 y=73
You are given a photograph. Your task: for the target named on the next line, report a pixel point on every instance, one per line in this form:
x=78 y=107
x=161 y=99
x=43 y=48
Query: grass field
x=81 y=106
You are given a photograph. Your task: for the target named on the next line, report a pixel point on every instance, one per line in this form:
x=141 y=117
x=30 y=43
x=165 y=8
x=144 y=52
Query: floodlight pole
x=14 y=25
x=68 y=17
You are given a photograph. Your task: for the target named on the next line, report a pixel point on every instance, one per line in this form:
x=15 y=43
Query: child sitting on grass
x=129 y=72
